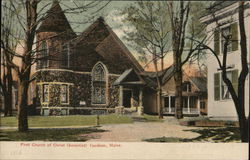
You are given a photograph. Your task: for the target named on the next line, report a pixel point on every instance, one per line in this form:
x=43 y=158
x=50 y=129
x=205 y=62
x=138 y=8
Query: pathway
x=142 y=130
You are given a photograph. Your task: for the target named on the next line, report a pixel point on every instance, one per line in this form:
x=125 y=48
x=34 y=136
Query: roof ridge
x=56 y=20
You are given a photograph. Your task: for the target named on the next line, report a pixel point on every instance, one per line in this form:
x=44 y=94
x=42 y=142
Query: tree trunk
x=178 y=94
x=244 y=129
x=22 y=106
x=9 y=86
x=6 y=104
x=159 y=104
x=7 y=91
x=178 y=85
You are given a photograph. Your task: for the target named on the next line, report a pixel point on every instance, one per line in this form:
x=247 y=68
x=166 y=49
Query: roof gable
x=106 y=43
x=55 y=20
x=129 y=77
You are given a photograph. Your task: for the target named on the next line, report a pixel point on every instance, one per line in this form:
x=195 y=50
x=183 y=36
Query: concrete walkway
x=138 y=131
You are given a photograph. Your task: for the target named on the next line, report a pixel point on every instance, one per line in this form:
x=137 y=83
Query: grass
x=63 y=134
x=76 y=120
x=150 y=118
x=216 y=135
x=79 y=134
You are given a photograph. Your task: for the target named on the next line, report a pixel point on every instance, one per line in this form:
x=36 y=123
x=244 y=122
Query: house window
x=224 y=89
x=220 y=88
x=99 y=85
x=172 y=99
x=166 y=99
x=186 y=87
x=45 y=97
x=202 y=105
x=226 y=34
x=64 y=93
x=219 y=38
x=43 y=56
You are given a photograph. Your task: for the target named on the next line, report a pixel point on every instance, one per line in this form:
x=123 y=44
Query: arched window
x=99 y=86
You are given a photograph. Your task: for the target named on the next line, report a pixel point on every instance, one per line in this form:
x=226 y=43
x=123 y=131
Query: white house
x=220 y=103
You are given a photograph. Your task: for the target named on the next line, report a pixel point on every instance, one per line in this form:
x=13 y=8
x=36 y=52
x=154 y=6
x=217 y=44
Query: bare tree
x=182 y=26
x=155 y=23
x=150 y=37
x=8 y=43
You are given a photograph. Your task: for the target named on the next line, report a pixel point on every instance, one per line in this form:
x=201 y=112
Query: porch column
x=169 y=104
x=140 y=108
x=188 y=103
x=132 y=99
x=198 y=105
x=121 y=96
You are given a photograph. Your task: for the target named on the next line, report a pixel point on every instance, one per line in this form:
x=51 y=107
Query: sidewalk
x=139 y=131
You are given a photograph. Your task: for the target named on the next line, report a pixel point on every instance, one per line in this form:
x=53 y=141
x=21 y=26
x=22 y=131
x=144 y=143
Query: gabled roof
x=55 y=20
x=106 y=43
x=165 y=74
x=129 y=77
x=200 y=83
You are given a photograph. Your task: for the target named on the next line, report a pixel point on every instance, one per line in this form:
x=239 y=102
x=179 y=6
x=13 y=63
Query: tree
x=150 y=36
x=154 y=24
x=28 y=20
x=237 y=91
x=8 y=43
x=184 y=23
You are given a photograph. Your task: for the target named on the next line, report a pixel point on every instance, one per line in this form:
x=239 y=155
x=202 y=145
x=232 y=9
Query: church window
x=99 y=85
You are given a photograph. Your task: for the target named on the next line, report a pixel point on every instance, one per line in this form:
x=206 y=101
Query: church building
x=75 y=74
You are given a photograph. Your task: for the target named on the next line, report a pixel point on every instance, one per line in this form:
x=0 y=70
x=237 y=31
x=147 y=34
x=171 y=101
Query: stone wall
x=80 y=85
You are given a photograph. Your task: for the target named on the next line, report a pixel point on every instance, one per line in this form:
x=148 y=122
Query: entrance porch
x=191 y=105
x=130 y=93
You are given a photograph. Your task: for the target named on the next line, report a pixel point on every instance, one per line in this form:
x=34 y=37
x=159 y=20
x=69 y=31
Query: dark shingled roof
x=200 y=83
x=55 y=20
x=101 y=38
x=165 y=74
x=142 y=79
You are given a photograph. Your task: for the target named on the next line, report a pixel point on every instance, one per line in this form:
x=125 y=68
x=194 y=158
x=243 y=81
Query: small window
x=186 y=87
x=202 y=105
x=45 y=97
x=43 y=61
x=226 y=33
x=224 y=89
x=64 y=93
x=167 y=101
x=220 y=88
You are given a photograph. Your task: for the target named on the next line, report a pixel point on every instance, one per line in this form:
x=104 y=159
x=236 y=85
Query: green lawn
x=63 y=134
x=151 y=118
x=76 y=120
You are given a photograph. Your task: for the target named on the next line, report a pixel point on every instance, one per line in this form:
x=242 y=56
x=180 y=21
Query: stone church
x=91 y=73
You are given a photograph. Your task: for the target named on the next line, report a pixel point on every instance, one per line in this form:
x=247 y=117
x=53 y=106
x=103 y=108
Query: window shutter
x=235 y=80
x=234 y=30
x=217 y=42
x=217 y=86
